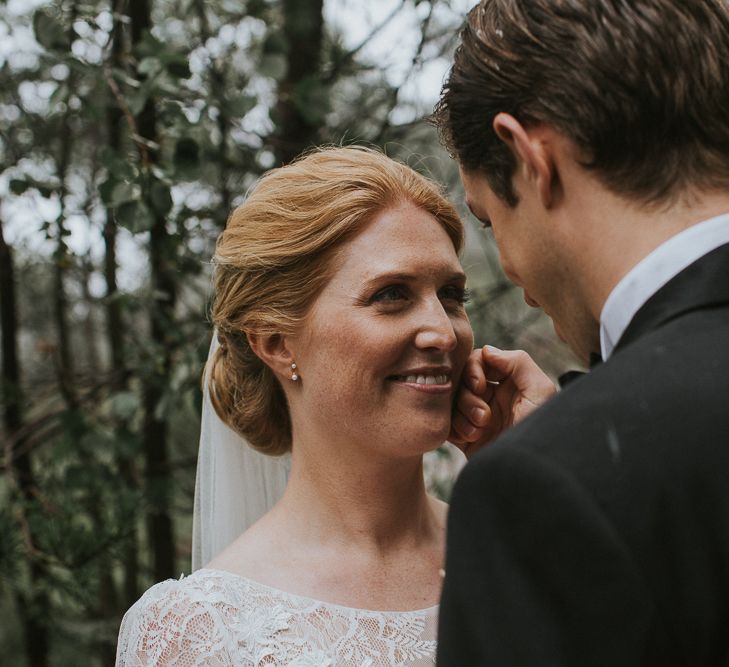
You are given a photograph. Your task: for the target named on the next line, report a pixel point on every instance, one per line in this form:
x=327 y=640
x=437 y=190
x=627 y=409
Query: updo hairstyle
x=275 y=257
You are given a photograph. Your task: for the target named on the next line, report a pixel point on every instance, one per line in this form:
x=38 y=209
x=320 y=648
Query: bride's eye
x=390 y=294
x=455 y=293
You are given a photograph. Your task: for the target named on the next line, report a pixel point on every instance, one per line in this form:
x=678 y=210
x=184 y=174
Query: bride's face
x=383 y=347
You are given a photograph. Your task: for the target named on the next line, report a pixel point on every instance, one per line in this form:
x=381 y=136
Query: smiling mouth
x=435 y=382
x=440 y=380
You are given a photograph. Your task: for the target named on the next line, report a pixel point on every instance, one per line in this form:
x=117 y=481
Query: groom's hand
x=498 y=388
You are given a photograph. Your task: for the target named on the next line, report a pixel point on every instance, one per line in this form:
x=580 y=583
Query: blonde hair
x=275 y=257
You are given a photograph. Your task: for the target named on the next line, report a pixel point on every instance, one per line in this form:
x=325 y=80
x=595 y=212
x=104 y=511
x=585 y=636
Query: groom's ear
x=274 y=351
x=533 y=156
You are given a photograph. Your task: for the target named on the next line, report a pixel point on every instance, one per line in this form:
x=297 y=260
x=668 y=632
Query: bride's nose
x=435 y=329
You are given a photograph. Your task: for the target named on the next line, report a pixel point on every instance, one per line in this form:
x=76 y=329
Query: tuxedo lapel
x=703 y=284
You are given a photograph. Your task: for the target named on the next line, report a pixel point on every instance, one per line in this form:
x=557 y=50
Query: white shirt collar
x=654 y=271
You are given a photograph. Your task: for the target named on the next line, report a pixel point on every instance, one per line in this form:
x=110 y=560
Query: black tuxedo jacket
x=596 y=532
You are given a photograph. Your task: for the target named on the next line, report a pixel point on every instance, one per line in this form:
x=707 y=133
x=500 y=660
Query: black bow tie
x=571 y=376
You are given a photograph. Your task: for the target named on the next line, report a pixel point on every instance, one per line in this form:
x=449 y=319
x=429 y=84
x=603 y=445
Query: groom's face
x=525 y=250
x=533 y=258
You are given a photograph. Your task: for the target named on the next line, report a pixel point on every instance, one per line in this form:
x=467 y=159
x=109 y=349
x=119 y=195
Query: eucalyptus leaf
x=49 y=33
x=135 y=216
x=240 y=106
x=179 y=68
x=60 y=94
x=106 y=189
x=256 y=8
x=187 y=154
x=149 y=45
x=44 y=189
x=275 y=42
x=124 y=192
x=149 y=66
x=137 y=99
x=124 y=405
x=120 y=167
x=311 y=98
x=273 y=65
x=18 y=185
x=161 y=197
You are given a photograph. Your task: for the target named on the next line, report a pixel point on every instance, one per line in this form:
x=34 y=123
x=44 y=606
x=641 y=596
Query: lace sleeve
x=171 y=626
x=218 y=619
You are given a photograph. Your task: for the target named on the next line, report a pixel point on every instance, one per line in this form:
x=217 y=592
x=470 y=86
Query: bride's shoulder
x=202 y=590
x=174 y=614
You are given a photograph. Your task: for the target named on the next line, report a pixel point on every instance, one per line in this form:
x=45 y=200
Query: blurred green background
x=128 y=131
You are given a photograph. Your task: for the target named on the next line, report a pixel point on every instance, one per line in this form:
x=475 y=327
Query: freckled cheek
x=348 y=362
x=464 y=334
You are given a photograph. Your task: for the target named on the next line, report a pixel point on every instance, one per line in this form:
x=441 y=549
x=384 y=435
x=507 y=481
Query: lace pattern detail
x=219 y=619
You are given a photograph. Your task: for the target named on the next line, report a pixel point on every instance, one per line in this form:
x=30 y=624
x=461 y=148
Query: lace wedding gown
x=219 y=618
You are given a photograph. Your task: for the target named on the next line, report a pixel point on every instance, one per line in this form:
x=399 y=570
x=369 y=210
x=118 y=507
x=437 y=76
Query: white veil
x=235 y=485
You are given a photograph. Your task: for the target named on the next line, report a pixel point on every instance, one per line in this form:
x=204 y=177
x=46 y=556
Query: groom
x=593 y=138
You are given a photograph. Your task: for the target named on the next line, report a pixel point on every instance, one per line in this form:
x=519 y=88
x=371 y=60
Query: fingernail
x=473 y=382
x=478 y=415
x=491 y=348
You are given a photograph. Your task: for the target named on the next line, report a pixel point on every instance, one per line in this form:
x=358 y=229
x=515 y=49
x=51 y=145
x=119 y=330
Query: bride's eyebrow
x=403 y=277
x=386 y=277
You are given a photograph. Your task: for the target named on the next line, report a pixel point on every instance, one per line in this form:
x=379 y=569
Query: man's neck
x=617 y=235
x=653 y=272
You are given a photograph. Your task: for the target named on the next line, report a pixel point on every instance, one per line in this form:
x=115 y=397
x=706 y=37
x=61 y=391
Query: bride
x=341 y=336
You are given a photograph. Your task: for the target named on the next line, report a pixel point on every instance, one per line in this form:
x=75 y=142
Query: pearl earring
x=294 y=375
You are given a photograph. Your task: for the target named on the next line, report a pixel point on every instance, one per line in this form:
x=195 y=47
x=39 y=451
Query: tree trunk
x=219 y=96
x=87 y=270
x=34 y=608
x=9 y=319
x=62 y=258
x=303 y=27
x=161 y=256
x=115 y=326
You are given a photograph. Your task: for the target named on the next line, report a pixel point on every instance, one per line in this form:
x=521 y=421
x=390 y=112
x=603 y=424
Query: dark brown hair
x=640 y=86
x=276 y=255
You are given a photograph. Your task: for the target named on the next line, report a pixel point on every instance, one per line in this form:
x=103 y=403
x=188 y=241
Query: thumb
x=501 y=365
x=520 y=370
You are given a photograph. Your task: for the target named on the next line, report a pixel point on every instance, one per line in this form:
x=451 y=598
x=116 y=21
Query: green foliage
x=187 y=156
x=113 y=140
x=50 y=32
x=11 y=549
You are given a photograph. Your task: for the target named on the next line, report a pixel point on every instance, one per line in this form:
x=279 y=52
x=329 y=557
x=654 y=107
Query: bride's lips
x=426 y=379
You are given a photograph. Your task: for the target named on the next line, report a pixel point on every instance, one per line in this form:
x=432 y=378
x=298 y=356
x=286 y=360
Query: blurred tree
x=33 y=601
x=155 y=201
x=301 y=105
x=128 y=130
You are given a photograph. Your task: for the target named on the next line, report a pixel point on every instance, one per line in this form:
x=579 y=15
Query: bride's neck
x=358 y=497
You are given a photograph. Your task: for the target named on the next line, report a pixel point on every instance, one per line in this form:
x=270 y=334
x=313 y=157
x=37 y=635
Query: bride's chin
x=425 y=440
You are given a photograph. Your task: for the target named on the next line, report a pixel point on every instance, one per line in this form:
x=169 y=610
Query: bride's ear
x=274 y=351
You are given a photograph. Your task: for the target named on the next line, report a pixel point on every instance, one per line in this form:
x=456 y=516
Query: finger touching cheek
x=465 y=430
